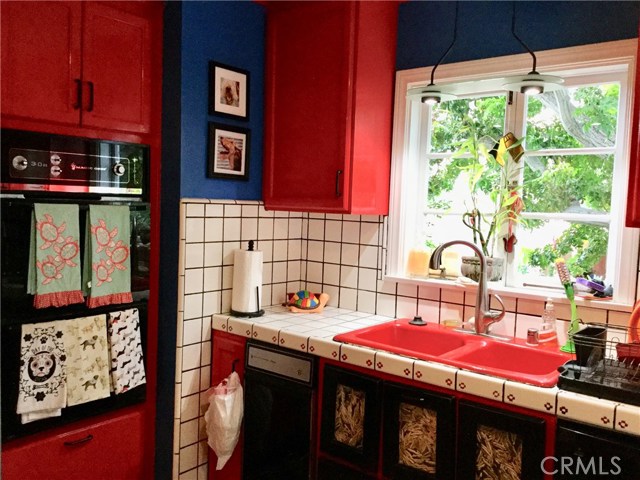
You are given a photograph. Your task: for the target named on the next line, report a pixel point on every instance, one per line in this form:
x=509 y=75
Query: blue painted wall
x=231 y=33
x=425 y=29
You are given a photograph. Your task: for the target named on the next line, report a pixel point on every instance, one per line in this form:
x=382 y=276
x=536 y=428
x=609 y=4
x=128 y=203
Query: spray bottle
x=547 y=331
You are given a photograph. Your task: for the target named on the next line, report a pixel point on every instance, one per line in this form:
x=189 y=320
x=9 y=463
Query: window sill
x=510 y=292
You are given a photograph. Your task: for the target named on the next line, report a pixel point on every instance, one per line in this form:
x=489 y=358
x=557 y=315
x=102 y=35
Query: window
x=571 y=179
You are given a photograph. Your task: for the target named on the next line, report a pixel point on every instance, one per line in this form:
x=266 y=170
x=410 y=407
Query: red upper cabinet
x=41 y=60
x=329 y=100
x=76 y=63
x=633 y=197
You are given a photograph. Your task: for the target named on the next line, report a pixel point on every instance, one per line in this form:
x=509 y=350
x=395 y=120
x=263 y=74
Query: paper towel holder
x=259 y=312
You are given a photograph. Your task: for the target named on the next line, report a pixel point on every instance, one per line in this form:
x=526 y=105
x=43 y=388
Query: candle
x=418 y=263
x=451 y=262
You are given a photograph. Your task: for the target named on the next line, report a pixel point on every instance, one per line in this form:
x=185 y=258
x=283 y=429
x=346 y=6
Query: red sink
x=510 y=360
x=426 y=342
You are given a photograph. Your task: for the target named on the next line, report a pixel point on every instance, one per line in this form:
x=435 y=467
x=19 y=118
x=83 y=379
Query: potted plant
x=494 y=203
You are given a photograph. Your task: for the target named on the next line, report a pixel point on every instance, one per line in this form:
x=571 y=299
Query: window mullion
x=515 y=122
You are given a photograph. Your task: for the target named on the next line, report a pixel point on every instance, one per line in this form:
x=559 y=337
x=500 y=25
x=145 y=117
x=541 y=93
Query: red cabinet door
x=41 y=60
x=111 y=449
x=633 y=196
x=309 y=58
x=329 y=87
x=116 y=69
x=228 y=354
x=76 y=63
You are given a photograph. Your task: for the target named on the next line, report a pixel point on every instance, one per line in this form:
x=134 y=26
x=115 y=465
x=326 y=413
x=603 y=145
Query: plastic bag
x=224 y=417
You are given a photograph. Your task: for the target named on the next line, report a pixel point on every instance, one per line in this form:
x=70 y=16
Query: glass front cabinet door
x=350 y=427
x=499 y=444
x=418 y=433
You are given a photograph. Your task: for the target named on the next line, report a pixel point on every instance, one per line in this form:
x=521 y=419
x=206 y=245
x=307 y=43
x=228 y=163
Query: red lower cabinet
x=493 y=443
x=350 y=425
x=376 y=427
x=228 y=354
x=331 y=470
x=111 y=449
x=418 y=437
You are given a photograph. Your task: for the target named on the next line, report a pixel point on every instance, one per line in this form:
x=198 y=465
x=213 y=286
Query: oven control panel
x=41 y=162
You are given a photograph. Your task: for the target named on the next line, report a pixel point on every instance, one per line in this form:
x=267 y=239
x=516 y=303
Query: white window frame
x=618 y=56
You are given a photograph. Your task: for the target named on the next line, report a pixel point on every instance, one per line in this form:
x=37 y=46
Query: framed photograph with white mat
x=228 y=91
x=228 y=152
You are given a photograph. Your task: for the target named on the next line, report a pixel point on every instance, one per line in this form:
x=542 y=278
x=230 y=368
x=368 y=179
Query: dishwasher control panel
x=281 y=363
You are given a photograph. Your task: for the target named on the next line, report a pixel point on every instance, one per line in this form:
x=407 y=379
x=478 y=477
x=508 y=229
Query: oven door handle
x=80 y=441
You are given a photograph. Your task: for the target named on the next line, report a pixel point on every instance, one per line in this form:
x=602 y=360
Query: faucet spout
x=484 y=316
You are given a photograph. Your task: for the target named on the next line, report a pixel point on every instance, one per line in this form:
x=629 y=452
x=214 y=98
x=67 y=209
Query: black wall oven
x=52 y=169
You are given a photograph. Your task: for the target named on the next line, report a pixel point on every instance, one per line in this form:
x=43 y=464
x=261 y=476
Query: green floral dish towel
x=54 y=256
x=107 y=264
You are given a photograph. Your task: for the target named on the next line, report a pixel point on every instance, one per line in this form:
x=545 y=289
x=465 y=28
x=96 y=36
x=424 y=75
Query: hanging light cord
x=513 y=31
x=455 y=33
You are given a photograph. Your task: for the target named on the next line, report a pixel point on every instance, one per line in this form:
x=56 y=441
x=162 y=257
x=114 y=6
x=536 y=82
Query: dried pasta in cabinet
x=498 y=454
x=417 y=437
x=350 y=409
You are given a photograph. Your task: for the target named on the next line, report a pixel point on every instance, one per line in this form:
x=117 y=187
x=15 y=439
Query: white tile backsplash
x=342 y=256
x=351 y=232
x=249 y=229
x=281 y=228
x=265 y=228
x=194 y=231
x=212 y=254
x=333 y=231
x=316 y=229
x=213 y=230
x=350 y=254
x=332 y=252
x=194 y=255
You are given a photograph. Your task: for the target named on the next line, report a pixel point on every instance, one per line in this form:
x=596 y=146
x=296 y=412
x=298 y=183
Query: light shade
x=533 y=83
x=431 y=94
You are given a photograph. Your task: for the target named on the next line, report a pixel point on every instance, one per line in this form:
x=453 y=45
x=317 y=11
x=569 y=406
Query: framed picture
x=228 y=152
x=228 y=91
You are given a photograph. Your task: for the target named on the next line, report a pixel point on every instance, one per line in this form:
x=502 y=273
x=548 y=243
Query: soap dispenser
x=547 y=331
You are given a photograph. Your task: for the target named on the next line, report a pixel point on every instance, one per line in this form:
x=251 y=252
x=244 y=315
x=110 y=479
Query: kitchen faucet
x=483 y=315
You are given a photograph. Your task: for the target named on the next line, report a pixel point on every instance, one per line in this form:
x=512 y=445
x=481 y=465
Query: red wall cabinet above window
x=633 y=197
x=329 y=101
x=76 y=63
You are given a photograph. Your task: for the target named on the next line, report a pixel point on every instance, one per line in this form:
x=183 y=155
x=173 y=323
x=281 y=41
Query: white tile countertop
x=314 y=332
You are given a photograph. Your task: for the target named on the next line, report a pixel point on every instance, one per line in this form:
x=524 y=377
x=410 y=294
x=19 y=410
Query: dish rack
x=606 y=365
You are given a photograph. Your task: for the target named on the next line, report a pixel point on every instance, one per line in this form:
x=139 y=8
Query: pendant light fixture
x=433 y=94
x=532 y=83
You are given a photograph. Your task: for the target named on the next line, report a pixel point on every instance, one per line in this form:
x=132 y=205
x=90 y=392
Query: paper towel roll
x=246 y=296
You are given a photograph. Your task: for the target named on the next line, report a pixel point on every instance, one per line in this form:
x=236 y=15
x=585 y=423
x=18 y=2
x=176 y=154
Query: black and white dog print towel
x=88 y=359
x=127 y=367
x=42 y=391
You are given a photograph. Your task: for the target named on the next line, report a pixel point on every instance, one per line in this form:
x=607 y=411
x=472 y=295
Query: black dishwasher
x=586 y=452
x=279 y=415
